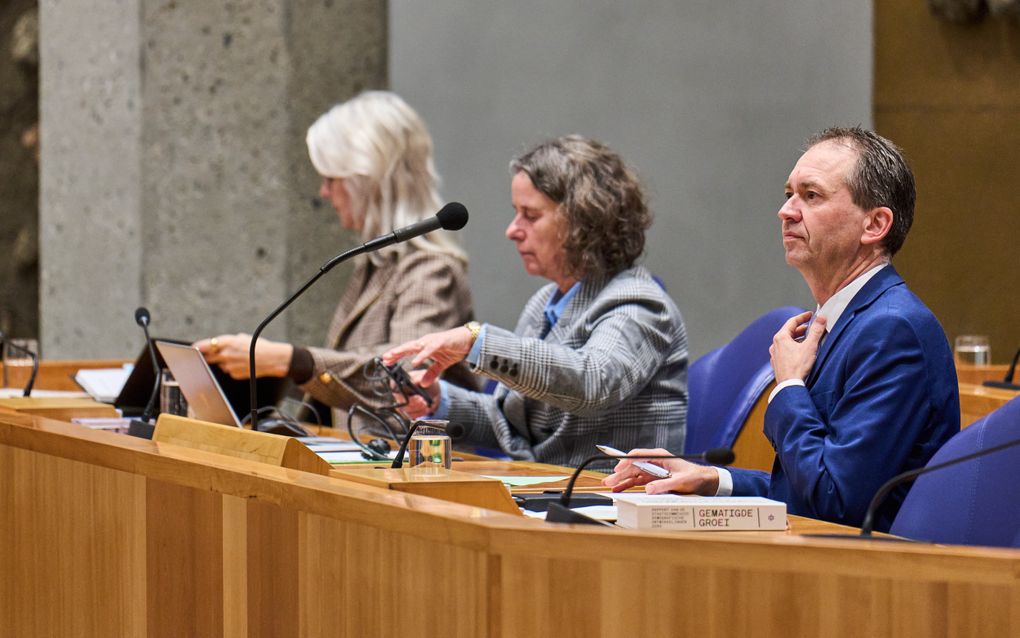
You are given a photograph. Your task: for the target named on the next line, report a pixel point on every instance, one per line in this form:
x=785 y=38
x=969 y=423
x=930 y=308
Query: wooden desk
x=105 y=535
x=60 y=408
x=59 y=374
x=967 y=373
x=976 y=401
x=588 y=481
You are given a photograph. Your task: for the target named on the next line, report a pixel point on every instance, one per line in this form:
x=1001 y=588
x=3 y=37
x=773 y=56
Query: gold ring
x=214 y=343
x=421 y=345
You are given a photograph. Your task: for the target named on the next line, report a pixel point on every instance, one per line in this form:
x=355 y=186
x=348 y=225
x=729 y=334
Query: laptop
x=136 y=391
x=205 y=397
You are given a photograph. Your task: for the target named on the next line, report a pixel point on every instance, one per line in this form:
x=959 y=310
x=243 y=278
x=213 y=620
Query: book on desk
x=699 y=513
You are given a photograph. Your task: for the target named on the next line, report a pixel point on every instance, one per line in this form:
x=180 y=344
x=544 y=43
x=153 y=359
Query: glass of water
x=17 y=362
x=430 y=449
x=171 y=399
x=973 y=350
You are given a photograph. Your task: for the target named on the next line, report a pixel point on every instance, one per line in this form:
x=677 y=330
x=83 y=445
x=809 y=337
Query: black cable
x=263 y=410
x=307 y=406
x=385 y=382
x=372 y=454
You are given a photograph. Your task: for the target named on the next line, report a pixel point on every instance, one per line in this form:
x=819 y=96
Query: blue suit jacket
x=881 y=398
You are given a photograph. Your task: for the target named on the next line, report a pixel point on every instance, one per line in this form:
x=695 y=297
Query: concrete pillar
x=174 y=171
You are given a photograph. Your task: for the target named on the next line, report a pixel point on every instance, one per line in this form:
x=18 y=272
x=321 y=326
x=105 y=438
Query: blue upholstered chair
x=976 y=502
x=724 y=384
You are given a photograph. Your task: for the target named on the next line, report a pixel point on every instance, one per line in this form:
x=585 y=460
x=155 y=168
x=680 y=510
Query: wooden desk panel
x=59 y=408
x=111 y=536
x=192 y=534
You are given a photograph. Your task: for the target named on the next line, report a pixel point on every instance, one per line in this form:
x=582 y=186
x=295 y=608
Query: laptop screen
x=205 y=398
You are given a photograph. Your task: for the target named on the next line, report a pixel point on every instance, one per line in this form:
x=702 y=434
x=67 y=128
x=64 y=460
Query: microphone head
x=455 y=430
x=720 y=456
x=142 y=316
x=453 y=216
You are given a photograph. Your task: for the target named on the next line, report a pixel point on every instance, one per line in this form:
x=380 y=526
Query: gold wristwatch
x=474 y=328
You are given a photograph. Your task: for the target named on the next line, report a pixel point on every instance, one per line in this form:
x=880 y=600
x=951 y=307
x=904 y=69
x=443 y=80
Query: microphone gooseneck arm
x=561 y=512
x=453 y=216
x=1010 y=374
x=714 y=456
x=325 y=268
x=142 y=319
x=398 y=460
x=569 y=490
x=1007 y=382
x=869 y=517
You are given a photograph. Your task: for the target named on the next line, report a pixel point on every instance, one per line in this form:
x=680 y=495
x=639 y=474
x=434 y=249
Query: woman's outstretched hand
x=439 y=350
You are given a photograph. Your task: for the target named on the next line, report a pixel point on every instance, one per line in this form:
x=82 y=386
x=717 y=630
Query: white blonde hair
x=381 y=148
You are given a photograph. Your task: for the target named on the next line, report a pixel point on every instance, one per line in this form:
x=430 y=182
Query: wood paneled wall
x=949 y=95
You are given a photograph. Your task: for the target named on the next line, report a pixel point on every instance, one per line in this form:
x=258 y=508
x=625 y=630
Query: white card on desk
x=103 y=384
x=338 y=458
x=319 y=444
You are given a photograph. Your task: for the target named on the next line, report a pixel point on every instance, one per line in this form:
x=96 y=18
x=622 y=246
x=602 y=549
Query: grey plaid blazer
x=613 y=370
x=414 y=292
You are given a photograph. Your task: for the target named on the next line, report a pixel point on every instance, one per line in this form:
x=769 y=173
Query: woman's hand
x=443 y=349
x=687 y=478
x=230 y=352
x=416 y=407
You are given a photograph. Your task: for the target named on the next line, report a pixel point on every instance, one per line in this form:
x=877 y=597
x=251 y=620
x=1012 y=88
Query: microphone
x=561 y=512
x=453 y=216
x=398 y=460
x=7 y=343
x=1007 y=381
x=142 y=427
x=142 y=318
x=455 y=430
x=869 y=523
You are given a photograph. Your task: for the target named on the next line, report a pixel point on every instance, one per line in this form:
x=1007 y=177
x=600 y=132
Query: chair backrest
x=724 y=384
x=976 y=502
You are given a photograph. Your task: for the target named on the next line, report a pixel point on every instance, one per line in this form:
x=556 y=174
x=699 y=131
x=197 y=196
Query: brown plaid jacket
x=414 y=293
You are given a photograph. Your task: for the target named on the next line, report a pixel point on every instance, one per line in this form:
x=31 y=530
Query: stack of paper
x=103 y=384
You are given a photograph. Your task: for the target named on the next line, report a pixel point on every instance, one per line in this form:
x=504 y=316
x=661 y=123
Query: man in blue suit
x=866 y=386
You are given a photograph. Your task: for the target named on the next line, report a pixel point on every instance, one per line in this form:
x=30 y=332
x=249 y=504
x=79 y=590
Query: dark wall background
x=19 y=174
x=949 y=94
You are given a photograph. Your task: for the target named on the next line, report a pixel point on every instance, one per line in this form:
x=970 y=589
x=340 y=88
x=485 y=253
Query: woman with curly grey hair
x=599 y=355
